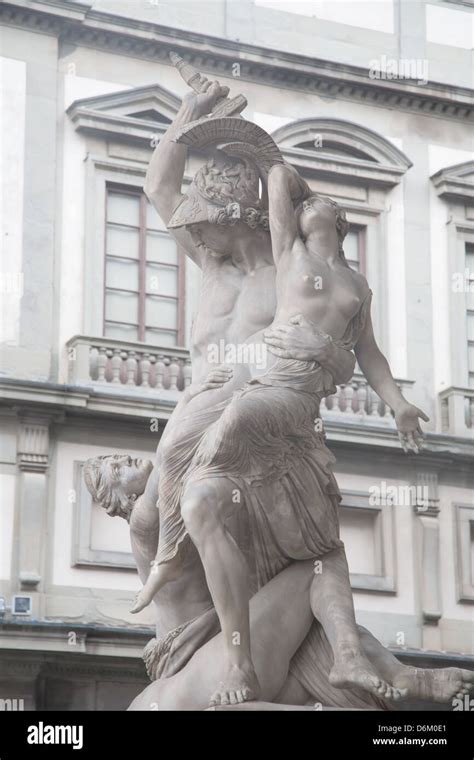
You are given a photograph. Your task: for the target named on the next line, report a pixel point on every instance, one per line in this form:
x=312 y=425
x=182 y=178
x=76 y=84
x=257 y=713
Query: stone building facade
x=372 y=102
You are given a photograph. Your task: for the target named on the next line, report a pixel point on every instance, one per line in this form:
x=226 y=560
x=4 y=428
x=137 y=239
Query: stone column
x=32 y=455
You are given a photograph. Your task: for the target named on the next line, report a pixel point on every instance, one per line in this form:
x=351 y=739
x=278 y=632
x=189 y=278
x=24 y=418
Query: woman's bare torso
x=328 y=296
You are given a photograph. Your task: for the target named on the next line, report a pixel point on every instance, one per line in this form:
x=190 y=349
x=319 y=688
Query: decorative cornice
x=19 y=668
x=467 y=3
x=78 y=24
x=85 y=403
x=68 y=665
x=374 y=160
x=455 y=182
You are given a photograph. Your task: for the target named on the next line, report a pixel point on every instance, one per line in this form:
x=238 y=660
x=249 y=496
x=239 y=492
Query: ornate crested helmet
x=227 y=187
x=224 y=190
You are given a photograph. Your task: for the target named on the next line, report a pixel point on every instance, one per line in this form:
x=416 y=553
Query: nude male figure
x=237 y=292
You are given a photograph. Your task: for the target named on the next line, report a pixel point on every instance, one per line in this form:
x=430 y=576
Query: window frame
x=124 y=189
x=360 y=229
x=358 y=503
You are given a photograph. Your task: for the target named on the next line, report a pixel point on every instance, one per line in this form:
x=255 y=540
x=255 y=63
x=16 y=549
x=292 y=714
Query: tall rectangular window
x=469 y=280
x=144 y=278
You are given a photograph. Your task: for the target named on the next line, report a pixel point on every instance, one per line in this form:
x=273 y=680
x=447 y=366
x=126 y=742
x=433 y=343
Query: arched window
x=339 y=149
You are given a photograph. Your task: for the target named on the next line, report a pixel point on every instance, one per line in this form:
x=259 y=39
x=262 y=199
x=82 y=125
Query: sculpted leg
x=332 y=605
x=205 y=507
x=280 y=617
x=431 y=684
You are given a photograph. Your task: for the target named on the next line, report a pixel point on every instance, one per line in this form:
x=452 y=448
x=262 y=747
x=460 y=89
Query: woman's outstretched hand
x=407 y=419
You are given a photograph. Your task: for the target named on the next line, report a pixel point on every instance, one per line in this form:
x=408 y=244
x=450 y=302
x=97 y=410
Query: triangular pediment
x=455 y=182
x=133 y=113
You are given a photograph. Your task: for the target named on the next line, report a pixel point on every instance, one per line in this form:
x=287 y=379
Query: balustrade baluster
x=145 y=366
x=160 y=372
x=349 y=393
x=361 y=398
x=131 y=367
x=116 y=365
x=374 y=404
x=102 y=364
x=174 y=373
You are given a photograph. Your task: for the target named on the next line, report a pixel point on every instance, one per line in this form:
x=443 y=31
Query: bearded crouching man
x=186 y=663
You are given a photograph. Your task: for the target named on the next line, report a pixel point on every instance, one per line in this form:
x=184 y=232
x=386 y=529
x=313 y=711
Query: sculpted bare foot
x=355 y=670
x=240 y=684
x=435 y=685
x=159 y=576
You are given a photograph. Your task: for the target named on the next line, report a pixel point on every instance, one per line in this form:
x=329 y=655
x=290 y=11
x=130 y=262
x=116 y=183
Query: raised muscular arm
x=166 y=169
x=285 y=186
x=301 y=339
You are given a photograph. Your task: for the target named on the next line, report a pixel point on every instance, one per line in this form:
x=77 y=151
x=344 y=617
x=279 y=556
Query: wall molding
x=382 y=516
x=464 y=519
x=82 y=553
x=78 y=24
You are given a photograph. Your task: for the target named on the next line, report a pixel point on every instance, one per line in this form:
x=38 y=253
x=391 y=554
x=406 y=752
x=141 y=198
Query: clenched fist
x=204 y=101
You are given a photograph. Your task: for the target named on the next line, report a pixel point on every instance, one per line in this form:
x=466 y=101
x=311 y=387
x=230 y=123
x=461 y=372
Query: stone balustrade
x=126 y=366
x=457 y=411
x=357 y=399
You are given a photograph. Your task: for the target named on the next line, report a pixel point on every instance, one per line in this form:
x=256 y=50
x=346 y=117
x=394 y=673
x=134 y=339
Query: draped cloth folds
x=264 y=440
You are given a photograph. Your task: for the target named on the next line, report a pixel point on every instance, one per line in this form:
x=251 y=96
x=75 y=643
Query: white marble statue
x=241 y=500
